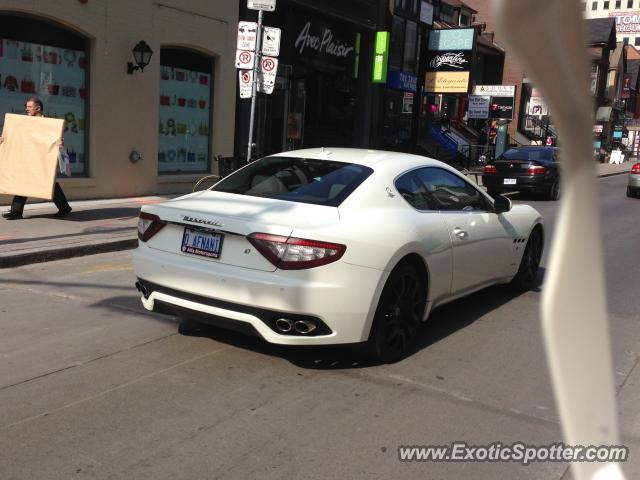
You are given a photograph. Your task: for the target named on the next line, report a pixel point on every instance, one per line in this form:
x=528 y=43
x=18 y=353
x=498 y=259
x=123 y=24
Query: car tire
x=527 y=276
x=630 y=193
x=398 y=316
x=554 y=191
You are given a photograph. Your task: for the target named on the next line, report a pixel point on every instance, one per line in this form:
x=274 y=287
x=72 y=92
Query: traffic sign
x=266 y=5
x=267 y=74
x=244 y=59
x=246 y=83
x=271 y=41
x=247 y=34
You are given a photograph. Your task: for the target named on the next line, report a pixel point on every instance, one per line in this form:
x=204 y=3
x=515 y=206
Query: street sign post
x=257 y=70
x=266 y=5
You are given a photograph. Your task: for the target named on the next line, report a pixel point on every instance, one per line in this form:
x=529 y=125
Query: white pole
x=254 y=88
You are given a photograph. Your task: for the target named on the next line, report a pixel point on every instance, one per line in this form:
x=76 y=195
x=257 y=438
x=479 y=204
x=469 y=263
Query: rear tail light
x=537 y=170
x=149 y=225
x=490 y=169
x=289 y=253
x=636 y=168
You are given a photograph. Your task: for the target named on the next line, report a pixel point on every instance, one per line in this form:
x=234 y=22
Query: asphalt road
x=92 y=386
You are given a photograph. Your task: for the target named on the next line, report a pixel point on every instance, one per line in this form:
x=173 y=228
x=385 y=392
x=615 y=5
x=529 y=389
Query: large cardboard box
x=29 y=155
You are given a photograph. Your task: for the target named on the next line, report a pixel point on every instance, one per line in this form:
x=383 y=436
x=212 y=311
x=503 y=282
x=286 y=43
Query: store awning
x=603 y=114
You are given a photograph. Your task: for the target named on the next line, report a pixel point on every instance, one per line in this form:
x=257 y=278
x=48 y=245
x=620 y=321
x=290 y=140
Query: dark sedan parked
x=524 y=169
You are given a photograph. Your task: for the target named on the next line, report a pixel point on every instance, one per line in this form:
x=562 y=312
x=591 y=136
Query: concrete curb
x=66 y=252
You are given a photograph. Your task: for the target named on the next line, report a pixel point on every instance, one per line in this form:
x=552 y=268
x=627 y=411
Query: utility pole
x=254 y=88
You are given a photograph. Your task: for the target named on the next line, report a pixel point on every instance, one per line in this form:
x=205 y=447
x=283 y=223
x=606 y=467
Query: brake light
x=290 y=253
x=490 y=169
x=636 y=169
x=149 y=225
x=537 y=170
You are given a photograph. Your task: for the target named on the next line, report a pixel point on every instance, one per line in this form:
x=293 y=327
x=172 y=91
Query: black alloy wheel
x=399 y=314
x=554 y=191
x=527 y=276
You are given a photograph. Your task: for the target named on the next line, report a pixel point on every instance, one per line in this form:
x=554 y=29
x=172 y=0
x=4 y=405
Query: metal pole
x=254 y=88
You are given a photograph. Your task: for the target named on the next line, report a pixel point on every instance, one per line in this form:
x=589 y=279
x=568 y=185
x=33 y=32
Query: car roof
x=375 y=159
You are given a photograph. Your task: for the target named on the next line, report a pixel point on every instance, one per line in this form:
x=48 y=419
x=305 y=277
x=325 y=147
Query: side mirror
x=501 y=204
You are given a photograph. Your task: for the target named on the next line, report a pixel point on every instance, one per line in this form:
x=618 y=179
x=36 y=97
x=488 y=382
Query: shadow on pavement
x=93 y=214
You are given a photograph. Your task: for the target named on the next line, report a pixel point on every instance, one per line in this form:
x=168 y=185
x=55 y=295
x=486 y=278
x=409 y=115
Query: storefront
x=322 y=94
x=129 y=132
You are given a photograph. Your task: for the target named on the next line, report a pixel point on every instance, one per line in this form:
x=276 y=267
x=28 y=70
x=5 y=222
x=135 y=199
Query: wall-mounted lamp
x=142 y=55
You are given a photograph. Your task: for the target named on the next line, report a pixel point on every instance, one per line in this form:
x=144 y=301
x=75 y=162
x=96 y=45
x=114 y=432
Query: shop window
x=40 y=59
x=186 y=86
x=396 y=46
x=636 y=41
x=410 y=63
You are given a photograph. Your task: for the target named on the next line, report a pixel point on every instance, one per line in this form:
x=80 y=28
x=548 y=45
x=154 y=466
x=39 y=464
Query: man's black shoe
x=12 y=215
x=64 y=212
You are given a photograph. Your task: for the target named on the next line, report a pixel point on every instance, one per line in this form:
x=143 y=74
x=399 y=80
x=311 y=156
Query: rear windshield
x=304 y=180
x=529 y=153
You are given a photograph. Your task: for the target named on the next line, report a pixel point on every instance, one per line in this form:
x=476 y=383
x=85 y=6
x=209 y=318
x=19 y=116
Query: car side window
x=450 y=192
x=411 y=188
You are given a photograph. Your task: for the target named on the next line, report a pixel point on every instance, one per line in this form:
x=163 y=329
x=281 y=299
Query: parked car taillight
x=490 y=169
x=636 y=169
x=289 y=253
x=149 y=225
x=536 y=170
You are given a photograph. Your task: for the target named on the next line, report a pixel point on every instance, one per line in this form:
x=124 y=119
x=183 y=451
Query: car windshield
x=305 y=180
x=529 y=153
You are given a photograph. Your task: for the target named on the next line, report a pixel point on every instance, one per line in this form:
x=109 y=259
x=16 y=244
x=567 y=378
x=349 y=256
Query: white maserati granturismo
x=332 y=246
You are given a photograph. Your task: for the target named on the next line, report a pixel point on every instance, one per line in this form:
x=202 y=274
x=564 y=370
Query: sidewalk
x=98 y=226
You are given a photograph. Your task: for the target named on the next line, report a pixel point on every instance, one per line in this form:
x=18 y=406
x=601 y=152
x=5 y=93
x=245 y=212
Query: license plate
x=201 y=242
x=509 y=181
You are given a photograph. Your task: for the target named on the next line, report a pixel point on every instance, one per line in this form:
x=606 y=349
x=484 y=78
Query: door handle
x=458 y=232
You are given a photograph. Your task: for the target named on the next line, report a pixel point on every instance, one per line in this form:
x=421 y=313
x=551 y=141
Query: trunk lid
x=233 y=217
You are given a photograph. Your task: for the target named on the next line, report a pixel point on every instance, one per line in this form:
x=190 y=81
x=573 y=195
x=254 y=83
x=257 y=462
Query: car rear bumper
x=634 y=182
x=531 y=183
x=340 y=298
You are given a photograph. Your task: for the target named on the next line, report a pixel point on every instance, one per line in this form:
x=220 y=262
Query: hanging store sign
x=402 y=81
x=247 y=33
x=380 y=58
x=502 y=108
x=426 y=13
x=495 y=90
x=479 y=106
x=449 y=61
x=266 y=5
x=271 y=41
x=446 y=82
x=451 y=39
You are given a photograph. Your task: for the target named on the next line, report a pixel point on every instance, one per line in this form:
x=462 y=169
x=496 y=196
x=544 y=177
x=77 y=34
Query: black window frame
x=605 y=5
x=594 y=6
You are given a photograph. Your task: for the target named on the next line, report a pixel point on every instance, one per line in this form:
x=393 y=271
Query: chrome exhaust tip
x=304 y=326
x=284 y=325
